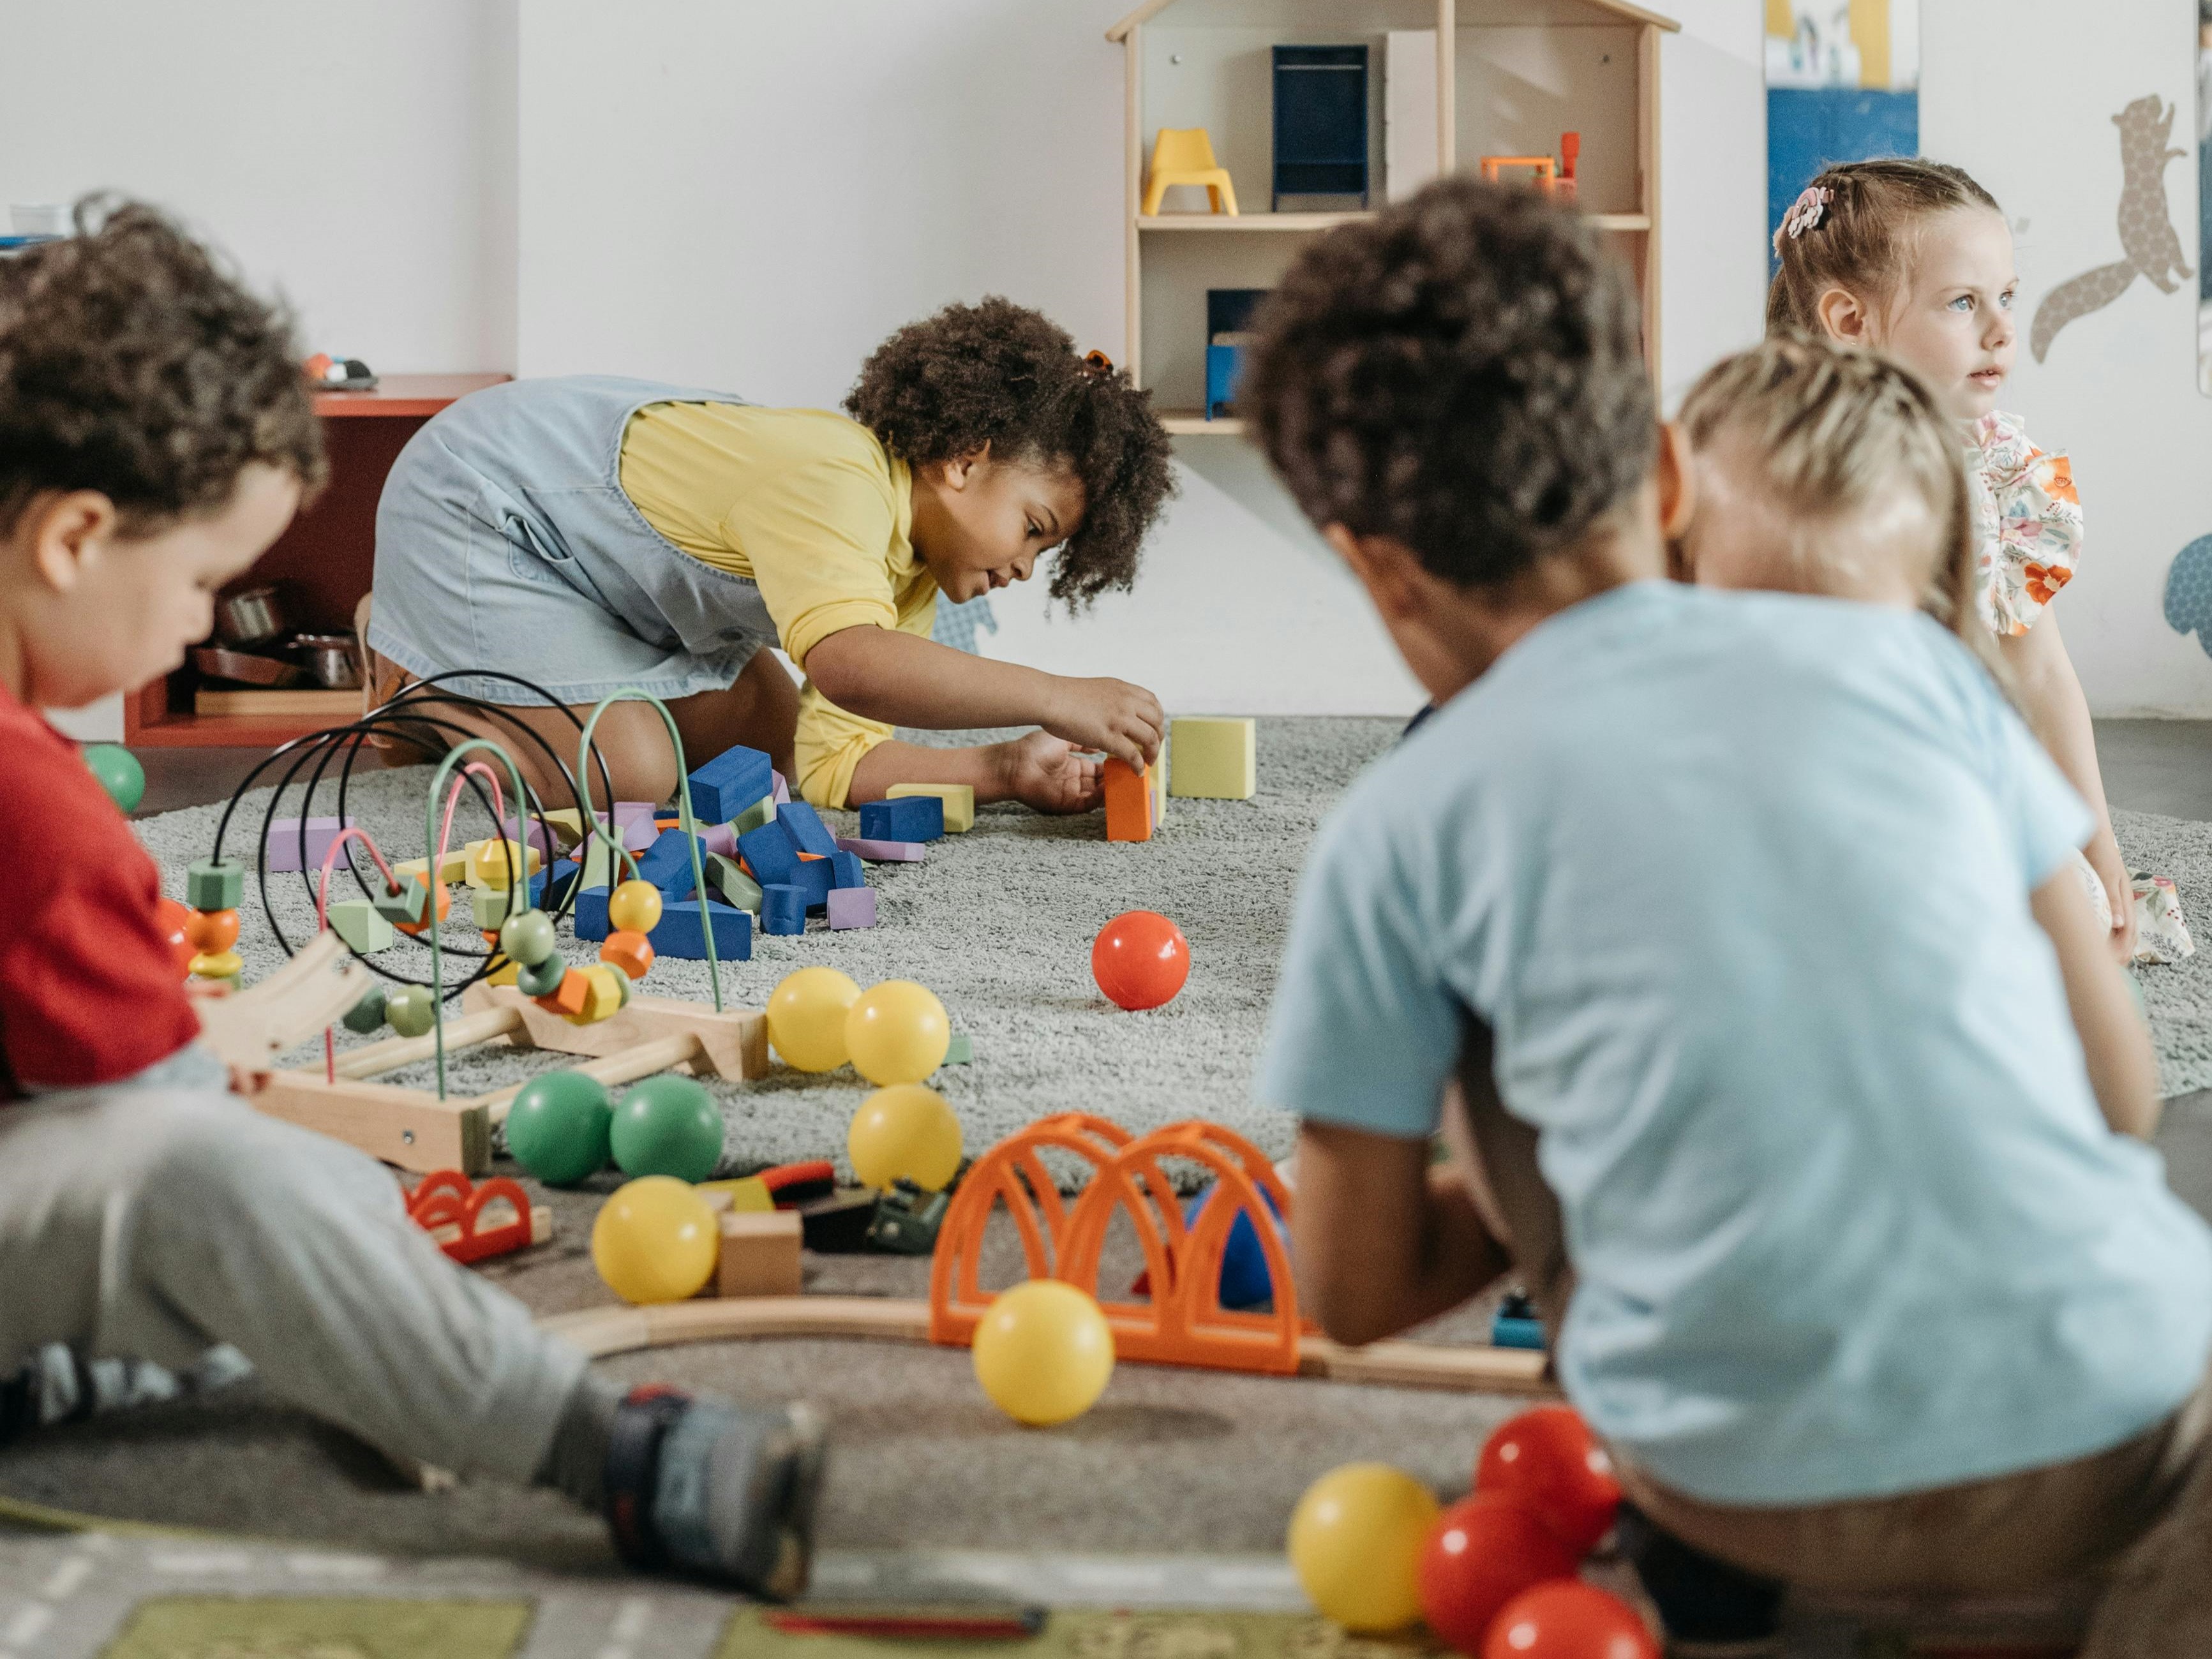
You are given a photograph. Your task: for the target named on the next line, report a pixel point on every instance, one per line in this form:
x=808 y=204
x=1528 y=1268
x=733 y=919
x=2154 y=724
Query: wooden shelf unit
x=1603 y=79
x=322 y=564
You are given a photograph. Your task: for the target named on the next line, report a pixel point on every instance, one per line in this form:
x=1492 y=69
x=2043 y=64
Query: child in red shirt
x=156 y=436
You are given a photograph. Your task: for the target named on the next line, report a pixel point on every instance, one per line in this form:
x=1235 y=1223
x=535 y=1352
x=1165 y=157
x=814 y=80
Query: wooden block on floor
x=1128 y=801
x=959 y=800
x=411 y=1127
x=356 y=922
x=1213 y=759
x=760 y=1253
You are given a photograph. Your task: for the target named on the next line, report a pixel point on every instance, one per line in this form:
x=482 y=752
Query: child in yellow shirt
x=586 y=532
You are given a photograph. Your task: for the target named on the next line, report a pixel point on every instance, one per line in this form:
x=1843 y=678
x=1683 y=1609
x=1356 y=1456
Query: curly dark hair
x=999 y=373
x=1462 y=373
x=132 y=364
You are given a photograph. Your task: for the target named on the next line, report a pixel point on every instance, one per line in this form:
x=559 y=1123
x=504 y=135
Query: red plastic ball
x=170 y=919
x=1551 y=1462
x=1568 y=1619
x=1140 y=959
x=1482 y=1553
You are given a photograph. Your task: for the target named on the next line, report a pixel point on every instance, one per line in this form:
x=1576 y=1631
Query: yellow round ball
x=1355 y=1543
x=634 y=907
x=1044 y=1353
x=897 y=1033
x=655 y=1240
x=806 y=1018
x=906 y=1131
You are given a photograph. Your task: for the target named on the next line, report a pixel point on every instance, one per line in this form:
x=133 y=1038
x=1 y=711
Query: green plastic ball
x=119 y=773
x=558 y=1127
x=668 y=1125
x=528 y=938
x=368 y=1014
x=412 y=1010
x=542 y=979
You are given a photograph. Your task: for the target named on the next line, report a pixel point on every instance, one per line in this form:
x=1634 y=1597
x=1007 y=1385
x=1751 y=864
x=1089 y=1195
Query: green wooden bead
x=558 y=1129
x=214 y=885
x=368 y=1014
x=357 y=922
x=119 y=773
x=529 y=938
x=668 y=1125
x=410 y=905
x=541 y=979
x=412 y=1010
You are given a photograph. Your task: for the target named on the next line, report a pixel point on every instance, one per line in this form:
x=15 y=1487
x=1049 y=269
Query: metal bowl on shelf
x=247 y=667
x=332 y=659
x=252 y=615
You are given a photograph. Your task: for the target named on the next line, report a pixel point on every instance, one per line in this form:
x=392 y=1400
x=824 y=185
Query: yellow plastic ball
x=655 y=1240
x=897 y=1033
x=634 y=907
x=1355 y=1543
x=904 y=1131
x=1044 y=1353
x=806 y=1018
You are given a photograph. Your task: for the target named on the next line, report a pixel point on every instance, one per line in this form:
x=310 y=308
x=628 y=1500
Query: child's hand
x=1123 y=719
x=1046 y=773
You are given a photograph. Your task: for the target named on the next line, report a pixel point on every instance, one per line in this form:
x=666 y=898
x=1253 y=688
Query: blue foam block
x=556 y=883
x=845 y=871
x=805 y=827
x=911 y=817
x=783 y=910
x=814 y=878
x=729 y=783
x=771 y=854
x=682 y=935
x=591 y=913
x=667 y=863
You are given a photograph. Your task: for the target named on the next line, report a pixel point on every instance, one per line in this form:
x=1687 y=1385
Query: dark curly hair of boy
x=131 y=365
x=1462 y=373
x=999 y=373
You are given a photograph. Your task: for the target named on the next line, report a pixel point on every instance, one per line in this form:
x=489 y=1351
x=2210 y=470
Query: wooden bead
x=211 y=932
x=445 y=899
x=368 y=1014
x=602 y=995
x=634 y=907
x=214 y=885
x=529 y=937
x=542 y=979
x=568 y=997
x=491 y=862
x=410 y=1010
x=631 y=952
x=216 y=964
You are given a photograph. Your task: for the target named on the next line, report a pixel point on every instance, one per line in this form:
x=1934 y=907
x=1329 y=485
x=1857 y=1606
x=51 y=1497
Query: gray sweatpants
x=149 y=1222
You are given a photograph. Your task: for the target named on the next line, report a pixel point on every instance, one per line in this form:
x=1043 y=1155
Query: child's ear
x=1842 y=318
x=1678 y=481
x=960 y=470
x=1382 y=566
x=65 y=533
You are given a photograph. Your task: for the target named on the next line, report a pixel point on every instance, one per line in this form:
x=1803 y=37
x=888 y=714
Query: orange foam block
x=1130 y=800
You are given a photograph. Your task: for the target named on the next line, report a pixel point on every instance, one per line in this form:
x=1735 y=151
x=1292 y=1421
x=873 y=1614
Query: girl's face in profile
x=980 y=522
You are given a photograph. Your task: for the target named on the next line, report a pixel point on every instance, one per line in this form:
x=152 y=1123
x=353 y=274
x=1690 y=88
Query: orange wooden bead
x=445 y=905
x=631 y=952
x=571 y=996
x=211 y=932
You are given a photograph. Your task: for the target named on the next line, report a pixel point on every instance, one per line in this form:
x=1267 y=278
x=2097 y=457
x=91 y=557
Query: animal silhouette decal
x=2189 y=592
x=2146 y=233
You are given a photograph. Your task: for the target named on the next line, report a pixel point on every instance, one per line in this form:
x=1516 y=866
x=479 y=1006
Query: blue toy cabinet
x=1228 y=317
x=1321 y=122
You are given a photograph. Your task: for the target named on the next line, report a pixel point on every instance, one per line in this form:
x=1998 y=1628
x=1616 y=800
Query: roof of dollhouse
x=1518 y=11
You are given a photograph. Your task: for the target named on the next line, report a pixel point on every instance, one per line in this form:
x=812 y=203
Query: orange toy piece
x=445 y=903
x=451 y=1210
x=632 y=952
x=570 y=997
x=1545 y=168
x=211 y=932
x=1184 y=1324
x=173 y=919
x=1128 y=801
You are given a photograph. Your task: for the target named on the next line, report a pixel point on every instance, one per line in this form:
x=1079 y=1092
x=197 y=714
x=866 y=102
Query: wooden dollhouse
x=1448 y=82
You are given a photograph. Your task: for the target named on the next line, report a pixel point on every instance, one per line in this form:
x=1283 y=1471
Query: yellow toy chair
x=1184 y=155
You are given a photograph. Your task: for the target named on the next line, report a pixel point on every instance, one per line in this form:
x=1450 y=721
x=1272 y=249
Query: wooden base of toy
x=415 y=1130
x=603 y=1331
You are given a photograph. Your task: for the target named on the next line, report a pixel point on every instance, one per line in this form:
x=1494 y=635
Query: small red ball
x=1551 y=1462
x=1140 y=959
x=1482 y=1553
x=172 y=920
x=1568 y=1619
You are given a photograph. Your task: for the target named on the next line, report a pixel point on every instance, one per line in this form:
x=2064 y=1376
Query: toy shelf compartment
x=322 y=562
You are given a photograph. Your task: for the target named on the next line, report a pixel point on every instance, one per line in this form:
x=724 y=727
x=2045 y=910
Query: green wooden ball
x=668 y=1125
x=557 y=1128
x=368 y=1014
x=412 y=1010
x=528 y=938
x=119 y=773
x=542 y=979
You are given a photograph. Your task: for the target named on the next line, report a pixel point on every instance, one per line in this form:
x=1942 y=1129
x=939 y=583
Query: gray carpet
x=2178 y=995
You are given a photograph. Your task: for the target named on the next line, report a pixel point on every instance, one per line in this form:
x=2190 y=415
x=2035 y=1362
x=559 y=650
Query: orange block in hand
x=1128 y=801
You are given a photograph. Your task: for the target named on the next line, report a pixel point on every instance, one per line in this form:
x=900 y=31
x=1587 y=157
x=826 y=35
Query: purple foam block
x=634 y=826
x=533 y=834
x=852 y=907
x=719 y=838
x=780 y=792
x=882 y=852
x=283 y=847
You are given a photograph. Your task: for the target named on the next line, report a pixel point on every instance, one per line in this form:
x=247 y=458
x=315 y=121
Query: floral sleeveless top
x=2027 y=522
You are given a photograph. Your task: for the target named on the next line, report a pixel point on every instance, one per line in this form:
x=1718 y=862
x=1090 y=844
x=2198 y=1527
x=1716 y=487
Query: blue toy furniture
x=1321 y=122
x=1228 y=317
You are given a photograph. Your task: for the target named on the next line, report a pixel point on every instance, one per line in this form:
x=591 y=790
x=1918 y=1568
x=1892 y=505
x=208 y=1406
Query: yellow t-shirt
x=811 y=508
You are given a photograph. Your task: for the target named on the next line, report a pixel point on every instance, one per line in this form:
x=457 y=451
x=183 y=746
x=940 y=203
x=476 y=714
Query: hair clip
x=1805 y=214
x=1097 y=362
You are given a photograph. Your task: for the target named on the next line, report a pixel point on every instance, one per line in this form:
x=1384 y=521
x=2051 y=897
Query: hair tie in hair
x=1805 y=214
x=1099 y=363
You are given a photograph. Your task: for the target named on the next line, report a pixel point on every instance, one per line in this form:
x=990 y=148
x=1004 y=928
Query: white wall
x=2118 y=391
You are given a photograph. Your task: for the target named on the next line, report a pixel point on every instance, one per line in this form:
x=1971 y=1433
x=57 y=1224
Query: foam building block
x=556 y=882
x=356 y=921
x=814 y=878
x=1213 y=759
x=738 y=889
x=917 y=817
x=779 y=791
x=591 y=913
x=283 y=845
x=668 y=864
x=959 y=800
x=719 y=838
x=852 y=907
x=529 y=858
x=961 y=1051
x=532 y=833
x=845 y=871
x=681 y=934
x=489 y=904
x=1128 y=801
x=633 y=825
x=729 y=783
x=567 y=824
x=783 y=910
x=882 y=852
x=761 y=812
x=774 y=860
x=803 y=825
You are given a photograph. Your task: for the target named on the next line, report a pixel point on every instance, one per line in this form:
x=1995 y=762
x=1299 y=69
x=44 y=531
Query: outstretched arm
x=2123 y=1070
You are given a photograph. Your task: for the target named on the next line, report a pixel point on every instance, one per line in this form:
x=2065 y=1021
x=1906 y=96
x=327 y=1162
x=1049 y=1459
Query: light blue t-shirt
x=1740 y=883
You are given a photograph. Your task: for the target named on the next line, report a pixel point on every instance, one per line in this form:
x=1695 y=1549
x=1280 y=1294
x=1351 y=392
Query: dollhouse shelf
x=1246 y=221
x=1192 y=422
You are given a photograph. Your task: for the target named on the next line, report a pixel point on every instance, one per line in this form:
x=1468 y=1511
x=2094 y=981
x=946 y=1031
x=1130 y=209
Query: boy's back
x=1741 y=883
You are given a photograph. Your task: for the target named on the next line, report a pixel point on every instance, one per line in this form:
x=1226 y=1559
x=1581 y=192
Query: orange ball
x=630 y=952
x=1140 y=959
x=211 y=932
x=171 y=920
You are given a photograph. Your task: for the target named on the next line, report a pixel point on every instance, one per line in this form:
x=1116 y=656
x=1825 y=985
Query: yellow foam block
x=567 y=824
x=747 y=1195
x=453 y=868
x=959 y=800
x=486 y=865
x=1213 y=759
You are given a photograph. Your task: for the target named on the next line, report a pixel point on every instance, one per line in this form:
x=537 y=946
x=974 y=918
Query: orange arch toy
x=1184 y=1322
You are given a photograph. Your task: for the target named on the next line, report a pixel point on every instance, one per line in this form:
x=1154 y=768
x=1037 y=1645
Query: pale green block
x=599 y=859
x=356 y=921
x=761 y=812
x=490 y=904
x=1213 y=759
x=739 y=890
x=961 y=1051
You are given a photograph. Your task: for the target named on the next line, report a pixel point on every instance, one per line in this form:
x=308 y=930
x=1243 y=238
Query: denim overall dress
x=505 y=542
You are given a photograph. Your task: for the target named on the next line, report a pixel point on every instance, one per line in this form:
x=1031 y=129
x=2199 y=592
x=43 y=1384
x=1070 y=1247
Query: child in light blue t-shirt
x=1757 y=911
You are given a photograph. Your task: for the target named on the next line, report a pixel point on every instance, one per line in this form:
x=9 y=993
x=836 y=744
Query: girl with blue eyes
x=1914 y=259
